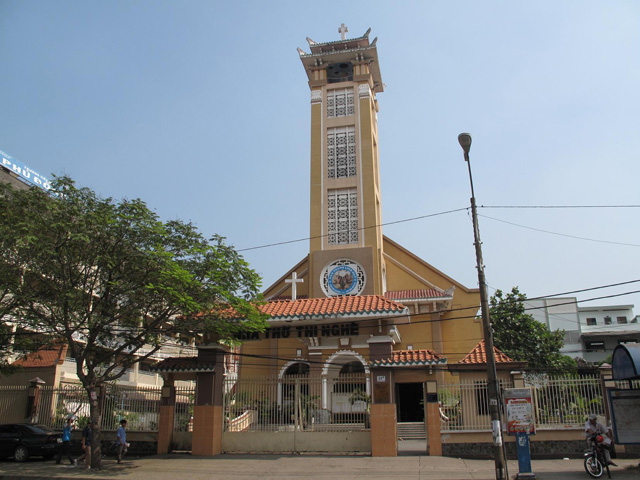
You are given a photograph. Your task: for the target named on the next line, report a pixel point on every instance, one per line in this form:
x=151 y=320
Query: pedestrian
x=86 y=446
x=122 y=440
x=66 y=441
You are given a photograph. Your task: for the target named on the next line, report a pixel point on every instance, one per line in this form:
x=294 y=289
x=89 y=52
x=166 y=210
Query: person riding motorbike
x=604 y=438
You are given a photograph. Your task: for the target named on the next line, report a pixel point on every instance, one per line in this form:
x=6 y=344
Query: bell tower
x=345 y=250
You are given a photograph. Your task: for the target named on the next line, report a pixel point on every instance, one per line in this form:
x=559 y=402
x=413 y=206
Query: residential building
x=604 y=327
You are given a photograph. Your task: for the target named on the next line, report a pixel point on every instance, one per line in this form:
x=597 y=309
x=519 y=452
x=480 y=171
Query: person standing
x=122 y=440
x=86 y=446
x=66 y=442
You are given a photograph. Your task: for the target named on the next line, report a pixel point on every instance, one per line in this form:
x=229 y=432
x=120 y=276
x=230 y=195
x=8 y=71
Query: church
x=361 y=331
x=358 y=299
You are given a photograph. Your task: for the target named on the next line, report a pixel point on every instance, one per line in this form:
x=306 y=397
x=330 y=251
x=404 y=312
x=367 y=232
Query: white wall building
x=604 y=327
x=559 y=313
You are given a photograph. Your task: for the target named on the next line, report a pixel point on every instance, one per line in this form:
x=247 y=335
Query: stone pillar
x=384 y=442
x=607 y=382
x=32 y=400
x=207 y=413
x=432 y=415
x=518 y=379
x=167 y=415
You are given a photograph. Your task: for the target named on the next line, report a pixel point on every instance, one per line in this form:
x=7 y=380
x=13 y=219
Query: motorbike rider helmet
x=599 y=439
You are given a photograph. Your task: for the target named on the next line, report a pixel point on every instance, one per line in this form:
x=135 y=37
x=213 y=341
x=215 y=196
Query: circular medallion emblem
x=342 y=277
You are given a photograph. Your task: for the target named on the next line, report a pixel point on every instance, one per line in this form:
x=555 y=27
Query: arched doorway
x=346 y=387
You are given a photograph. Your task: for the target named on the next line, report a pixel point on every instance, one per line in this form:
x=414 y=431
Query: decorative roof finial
x=343 y=32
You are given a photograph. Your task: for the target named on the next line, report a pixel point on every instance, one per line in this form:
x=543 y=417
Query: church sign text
x=304 y=331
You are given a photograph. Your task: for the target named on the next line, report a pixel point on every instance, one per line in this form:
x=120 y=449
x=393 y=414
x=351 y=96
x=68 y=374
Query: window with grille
x=342 y=210
x=591 y=321
x=621 y=320
x=340 y=103
x=341 y=152
x=607 y=320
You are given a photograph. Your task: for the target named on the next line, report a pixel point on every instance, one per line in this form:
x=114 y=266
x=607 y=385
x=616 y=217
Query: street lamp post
x=492 y=381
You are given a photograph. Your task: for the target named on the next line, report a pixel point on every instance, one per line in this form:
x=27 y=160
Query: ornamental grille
x=342 y=222
x=341 y=152
x=340 y=103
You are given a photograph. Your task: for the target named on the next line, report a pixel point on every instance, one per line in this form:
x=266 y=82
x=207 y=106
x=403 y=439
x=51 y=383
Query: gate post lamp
x=492 y=381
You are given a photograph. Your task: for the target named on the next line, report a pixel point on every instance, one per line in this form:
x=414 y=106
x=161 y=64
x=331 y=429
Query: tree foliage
x=520 y=336
x=113 y=281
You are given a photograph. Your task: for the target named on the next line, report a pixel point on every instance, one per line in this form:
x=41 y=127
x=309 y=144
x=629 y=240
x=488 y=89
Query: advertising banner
x=520 y=418
x=24 y=172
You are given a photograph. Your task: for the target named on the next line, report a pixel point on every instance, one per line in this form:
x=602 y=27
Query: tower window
x=342 y=222
x=340 y=103
x=341 y=152
x=340 y=72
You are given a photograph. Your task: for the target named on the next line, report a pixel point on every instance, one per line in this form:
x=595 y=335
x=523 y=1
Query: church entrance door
x=410 y=402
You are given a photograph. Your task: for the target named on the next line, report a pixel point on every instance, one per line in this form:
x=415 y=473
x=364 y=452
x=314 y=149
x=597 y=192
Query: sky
x=202 y=109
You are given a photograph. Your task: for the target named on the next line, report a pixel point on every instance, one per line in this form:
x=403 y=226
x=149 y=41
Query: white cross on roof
x=343 y=31
x=294 y=280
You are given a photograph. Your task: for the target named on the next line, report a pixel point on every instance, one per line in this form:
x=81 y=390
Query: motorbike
x=595 y=461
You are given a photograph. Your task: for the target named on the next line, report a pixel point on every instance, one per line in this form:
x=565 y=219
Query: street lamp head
x=464 y=139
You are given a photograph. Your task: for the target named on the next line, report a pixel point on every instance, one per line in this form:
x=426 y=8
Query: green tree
x=521 y=337
x=114 y=282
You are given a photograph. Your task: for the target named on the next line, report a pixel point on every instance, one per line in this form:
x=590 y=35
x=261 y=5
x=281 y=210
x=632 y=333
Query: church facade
x=358 y=304
x=358 y=298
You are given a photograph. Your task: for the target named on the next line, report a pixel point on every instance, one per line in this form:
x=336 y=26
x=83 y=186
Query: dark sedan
x=22 y=440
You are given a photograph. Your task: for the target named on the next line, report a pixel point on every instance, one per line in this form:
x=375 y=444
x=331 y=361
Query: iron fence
x=465 y=405
x=13 y=403
x=565 y=401
x=297 y=403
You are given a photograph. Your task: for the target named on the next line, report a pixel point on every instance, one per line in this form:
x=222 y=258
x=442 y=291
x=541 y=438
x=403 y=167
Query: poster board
x=625 y=413
x=519 y=407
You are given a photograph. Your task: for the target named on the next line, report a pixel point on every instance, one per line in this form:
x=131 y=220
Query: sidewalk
x=310 y=467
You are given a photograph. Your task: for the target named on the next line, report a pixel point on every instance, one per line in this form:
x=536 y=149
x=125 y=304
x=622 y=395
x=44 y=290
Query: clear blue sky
x=201 y=108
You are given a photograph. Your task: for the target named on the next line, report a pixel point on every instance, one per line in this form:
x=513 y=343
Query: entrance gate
x=297 y=413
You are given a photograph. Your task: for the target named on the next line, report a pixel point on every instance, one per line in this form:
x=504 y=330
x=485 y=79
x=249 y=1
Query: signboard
x=625 y=410
x=24 y=172
x=520 y=418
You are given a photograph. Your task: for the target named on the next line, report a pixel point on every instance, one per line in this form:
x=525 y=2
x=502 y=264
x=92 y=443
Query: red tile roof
x=415 y=294
x=479 y=355
x=332 y=306
x=45 y=357
x=403 y=358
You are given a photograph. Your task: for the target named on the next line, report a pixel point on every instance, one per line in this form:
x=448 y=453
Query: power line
x=421 y=217
x=561 y=234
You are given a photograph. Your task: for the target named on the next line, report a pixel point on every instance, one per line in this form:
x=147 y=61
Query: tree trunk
x=96 y=400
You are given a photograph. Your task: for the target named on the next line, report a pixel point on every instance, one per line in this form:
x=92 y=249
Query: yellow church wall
x=370 y=193
x=280 y=288
x=317 y=192
x=282 y=352
x=460 y=330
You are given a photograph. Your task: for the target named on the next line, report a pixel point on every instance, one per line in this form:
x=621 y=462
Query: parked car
x=23 y=440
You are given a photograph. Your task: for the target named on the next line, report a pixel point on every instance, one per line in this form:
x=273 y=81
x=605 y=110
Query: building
x=591 y=333
x=359 y=301
x=560 y=313
x=605 y=327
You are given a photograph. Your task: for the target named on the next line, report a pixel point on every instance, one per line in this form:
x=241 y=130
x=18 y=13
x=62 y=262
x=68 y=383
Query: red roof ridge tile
x=479 y=355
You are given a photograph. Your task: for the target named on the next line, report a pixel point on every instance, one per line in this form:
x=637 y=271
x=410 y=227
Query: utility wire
x=421 y=217
x=560 y=234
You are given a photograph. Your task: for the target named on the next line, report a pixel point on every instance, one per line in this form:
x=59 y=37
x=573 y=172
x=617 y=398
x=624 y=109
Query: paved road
x=307 y=467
